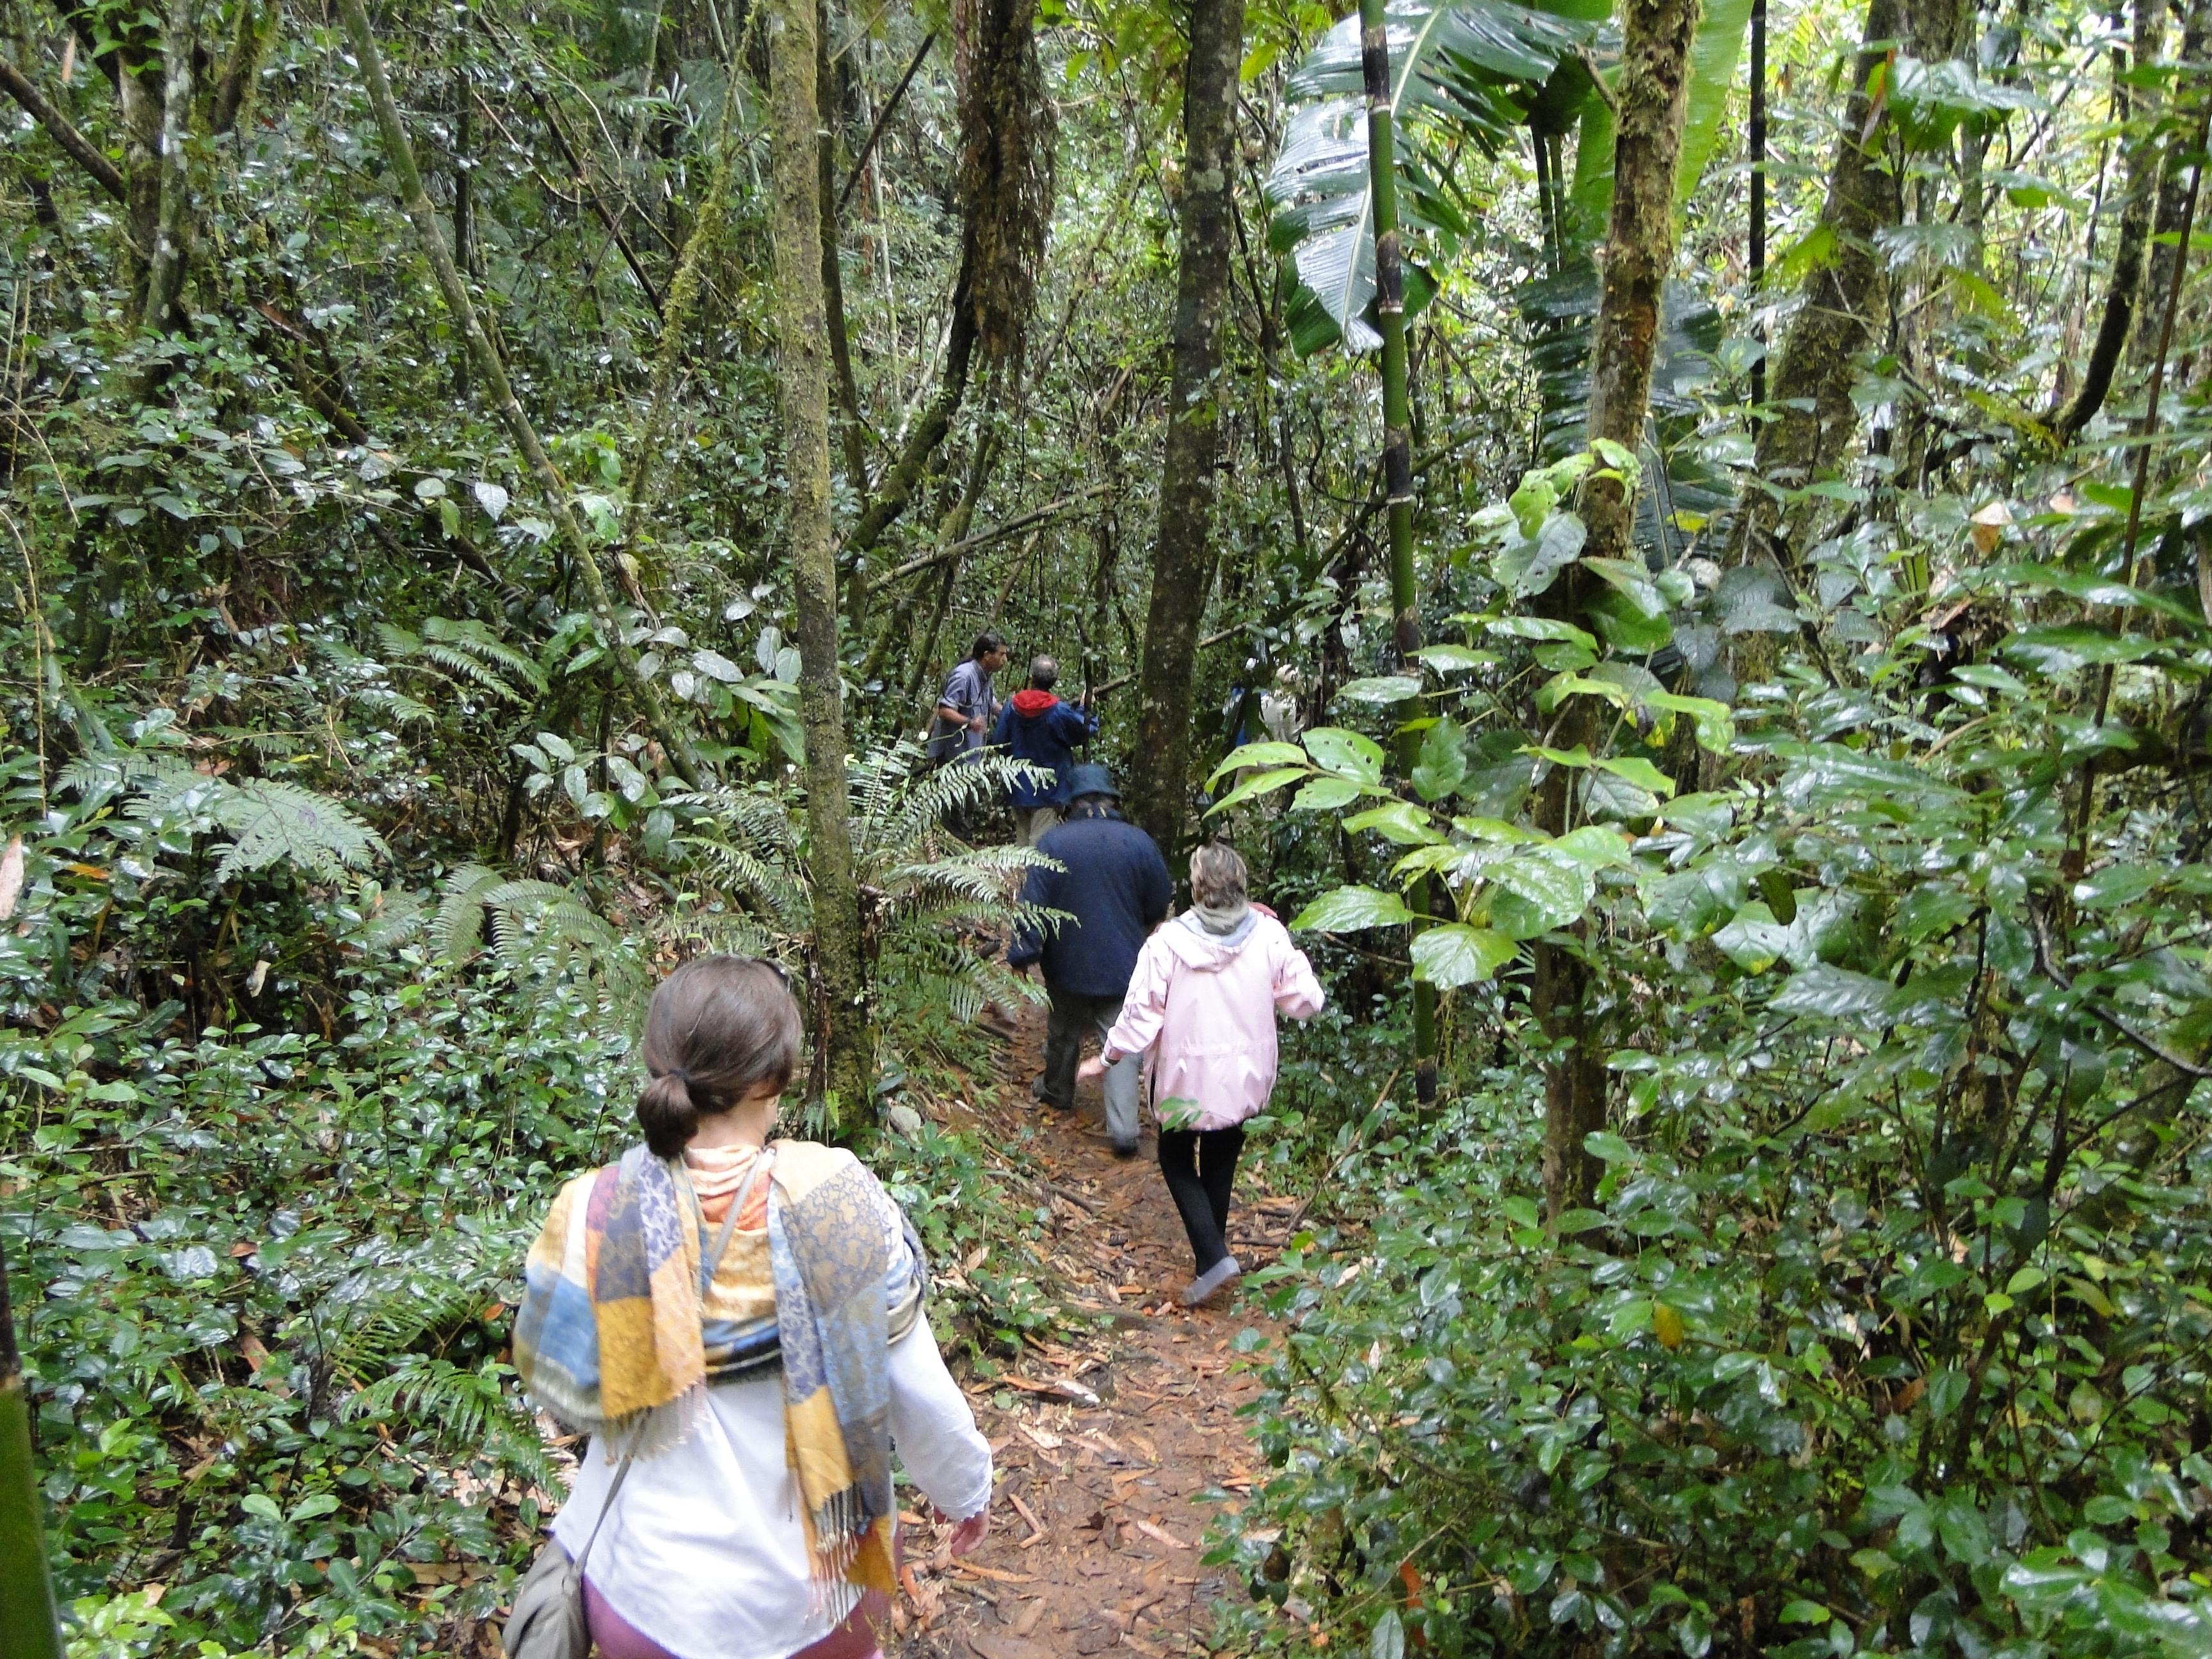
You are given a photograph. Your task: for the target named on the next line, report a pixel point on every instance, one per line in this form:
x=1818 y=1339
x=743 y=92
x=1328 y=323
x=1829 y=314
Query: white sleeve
x=934 y=1429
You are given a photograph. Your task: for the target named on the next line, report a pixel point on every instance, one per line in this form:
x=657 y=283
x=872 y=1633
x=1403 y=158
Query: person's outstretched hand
x=1265 y=911
x=1091 y=1071
x=970 y=1533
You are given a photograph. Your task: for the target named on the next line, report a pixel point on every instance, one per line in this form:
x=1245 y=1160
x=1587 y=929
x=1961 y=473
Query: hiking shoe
x=1210 y=1281
x=1125 y=1149
x=1036 y=1087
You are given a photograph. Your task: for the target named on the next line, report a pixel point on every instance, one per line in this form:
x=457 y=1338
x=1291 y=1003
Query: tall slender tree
x=1397 y=443
x=840 y=989
x=1639 y=249
x=1812 y=415
x=1182 y=554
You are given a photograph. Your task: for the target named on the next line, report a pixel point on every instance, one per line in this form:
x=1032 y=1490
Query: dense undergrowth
x=276 y=1238
x=1889 y=1325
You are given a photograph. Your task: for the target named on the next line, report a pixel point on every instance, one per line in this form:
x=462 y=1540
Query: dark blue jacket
x=1047 y=738
x=1115 y=888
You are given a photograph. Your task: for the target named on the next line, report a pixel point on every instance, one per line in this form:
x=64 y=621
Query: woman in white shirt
x=739 y=1324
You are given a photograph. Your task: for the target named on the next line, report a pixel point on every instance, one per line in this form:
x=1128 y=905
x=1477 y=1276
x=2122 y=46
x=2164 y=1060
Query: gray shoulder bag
x=548 y=1621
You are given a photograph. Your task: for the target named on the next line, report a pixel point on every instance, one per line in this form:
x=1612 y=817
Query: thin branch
x=882 y=119
x=592 y=194
x=2149 y=1045
x=80 y=149
x=415 y=202
x=1012 y=526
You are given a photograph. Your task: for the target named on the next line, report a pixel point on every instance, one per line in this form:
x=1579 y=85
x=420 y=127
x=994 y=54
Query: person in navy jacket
x=1109 y=880
x=1036 y=727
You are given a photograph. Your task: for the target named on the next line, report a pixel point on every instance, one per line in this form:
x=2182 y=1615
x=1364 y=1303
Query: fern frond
x=398 y=642
x=393 y=916
x=457 y=928
x=272 y=822
x=473 y=639
x=470 y=1411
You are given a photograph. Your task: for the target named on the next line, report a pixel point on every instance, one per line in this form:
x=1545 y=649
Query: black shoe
x=1036 y=1087
x=1125 y=1149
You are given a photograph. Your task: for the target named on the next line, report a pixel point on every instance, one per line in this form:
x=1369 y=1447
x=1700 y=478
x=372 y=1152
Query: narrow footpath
x=1104 y=1445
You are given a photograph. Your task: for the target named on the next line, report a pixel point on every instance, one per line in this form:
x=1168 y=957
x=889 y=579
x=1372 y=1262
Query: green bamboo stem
x=28 y=1629
x=1397 y=449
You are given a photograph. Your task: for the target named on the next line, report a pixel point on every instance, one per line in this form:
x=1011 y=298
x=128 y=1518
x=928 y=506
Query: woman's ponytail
x=667 y=1113
x=717 y=1030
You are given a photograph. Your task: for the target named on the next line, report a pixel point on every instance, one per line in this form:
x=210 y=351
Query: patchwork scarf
x=615 y=1339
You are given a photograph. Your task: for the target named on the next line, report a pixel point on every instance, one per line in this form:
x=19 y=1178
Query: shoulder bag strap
x=605 y=1510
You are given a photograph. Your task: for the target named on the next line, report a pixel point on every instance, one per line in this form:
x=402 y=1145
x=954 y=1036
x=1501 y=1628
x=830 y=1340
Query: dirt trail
x=1095 y=1538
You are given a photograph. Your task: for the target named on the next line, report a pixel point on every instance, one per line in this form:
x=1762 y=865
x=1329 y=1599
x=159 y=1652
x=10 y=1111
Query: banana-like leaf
x=1474 y=68
x=1713 y=57
x=1561 y=311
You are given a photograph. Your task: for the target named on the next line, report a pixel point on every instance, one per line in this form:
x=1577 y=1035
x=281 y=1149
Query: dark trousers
x=1075 y=1016
x=1199 y=1165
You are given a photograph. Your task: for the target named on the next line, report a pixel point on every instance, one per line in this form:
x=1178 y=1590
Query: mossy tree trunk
x=1811 y=415
x=1183 y=556
x=1639 y=250
x=2131 y=93
x=843 y=1036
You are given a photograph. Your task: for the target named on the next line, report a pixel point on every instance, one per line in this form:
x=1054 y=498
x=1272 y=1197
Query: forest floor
x=1107 y=1444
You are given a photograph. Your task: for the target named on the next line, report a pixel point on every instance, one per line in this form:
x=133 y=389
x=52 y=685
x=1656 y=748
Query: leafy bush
x=1890 y=1324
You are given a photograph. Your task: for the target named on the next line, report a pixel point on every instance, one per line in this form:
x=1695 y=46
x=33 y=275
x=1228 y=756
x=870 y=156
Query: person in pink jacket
x=1206 y=990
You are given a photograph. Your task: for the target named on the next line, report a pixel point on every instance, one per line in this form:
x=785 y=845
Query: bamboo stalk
x=27 y=1625
x=1397 y=453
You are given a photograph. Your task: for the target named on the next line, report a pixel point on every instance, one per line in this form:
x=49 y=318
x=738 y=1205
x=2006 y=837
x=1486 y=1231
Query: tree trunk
x=2165 y=222
x=1182 y=558
x=2117 y=318
x=795 y=233
x=833 y=298
x=1398 y=449
x=407 y=180
x=706 y=235
x=1639 y=250
x=1755 y=148
x=1811 y=415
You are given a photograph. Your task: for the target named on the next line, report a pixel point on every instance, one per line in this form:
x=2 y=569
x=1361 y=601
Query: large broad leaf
x=1561 y=311
x=1456 y=954
x=1473 y=68
x=1713 y=59
x=1345 y=910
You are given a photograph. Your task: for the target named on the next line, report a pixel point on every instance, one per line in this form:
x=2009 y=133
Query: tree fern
x=470 y=1410
x=928 y=897
x=457 y=929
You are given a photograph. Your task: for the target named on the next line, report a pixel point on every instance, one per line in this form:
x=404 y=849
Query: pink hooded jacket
x=1209 y=1001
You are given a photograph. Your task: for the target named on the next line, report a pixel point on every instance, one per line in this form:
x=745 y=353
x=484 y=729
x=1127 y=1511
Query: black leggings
x=1199 y=1165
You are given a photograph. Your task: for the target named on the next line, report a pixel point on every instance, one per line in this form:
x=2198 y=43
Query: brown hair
x=718 y=1028
x=1216 y=872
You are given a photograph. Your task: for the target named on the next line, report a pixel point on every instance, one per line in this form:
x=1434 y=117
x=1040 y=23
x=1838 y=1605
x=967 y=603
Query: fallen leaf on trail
x=1045 y=1438
x=1163 y=1535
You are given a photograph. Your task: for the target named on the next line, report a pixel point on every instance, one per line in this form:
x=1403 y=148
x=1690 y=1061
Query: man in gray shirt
x=965 y=709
